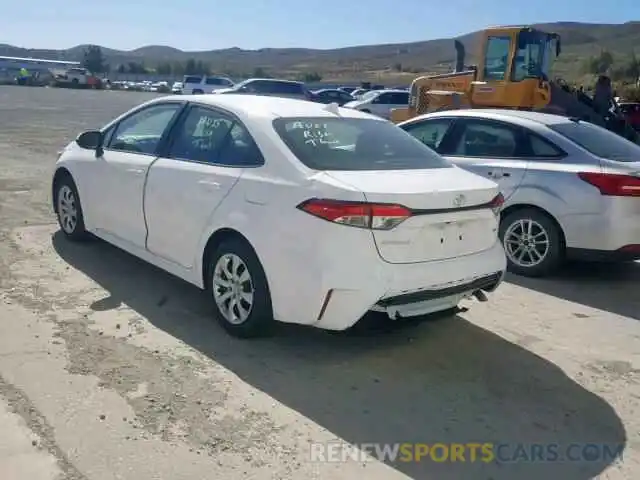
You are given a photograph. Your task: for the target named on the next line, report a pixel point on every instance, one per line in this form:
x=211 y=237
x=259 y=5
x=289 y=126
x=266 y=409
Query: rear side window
x=286 y=88
x=543 y=149
x=192 y=79
x=480 y=139
x=355 y=144
x=400 y=98
x=599 y=141
x=217 y=81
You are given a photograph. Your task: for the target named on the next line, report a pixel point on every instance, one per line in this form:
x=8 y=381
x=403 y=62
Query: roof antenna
x=333 y=108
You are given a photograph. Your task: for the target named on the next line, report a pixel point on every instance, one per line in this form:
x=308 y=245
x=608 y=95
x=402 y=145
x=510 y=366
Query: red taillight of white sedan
x=374 y=216
x=611 y=184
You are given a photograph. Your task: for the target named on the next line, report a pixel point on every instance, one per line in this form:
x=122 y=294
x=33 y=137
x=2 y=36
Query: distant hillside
x=579 y=41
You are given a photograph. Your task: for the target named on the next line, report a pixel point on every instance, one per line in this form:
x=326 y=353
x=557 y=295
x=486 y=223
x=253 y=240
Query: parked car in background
x=631 y=113
x=571 y=188
x=348 y=90
x=270 y=87
x=332 y=95
x=177 y=88
x=199 y=84
x=380 y=102
x=247 y=195
x=77 y=77
x=359 y=92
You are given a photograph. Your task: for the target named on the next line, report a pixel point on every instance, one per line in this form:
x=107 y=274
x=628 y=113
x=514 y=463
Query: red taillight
x=611 y=184
x=630 y=249
x=497 y=203
x=375 y=216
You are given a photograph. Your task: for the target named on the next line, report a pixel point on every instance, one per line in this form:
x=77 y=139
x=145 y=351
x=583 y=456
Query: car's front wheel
x=239 y=290
x=532 y=241
x=69 y=209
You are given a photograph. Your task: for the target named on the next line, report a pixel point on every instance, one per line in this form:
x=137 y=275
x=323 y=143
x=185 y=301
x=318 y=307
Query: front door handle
x=137 y=171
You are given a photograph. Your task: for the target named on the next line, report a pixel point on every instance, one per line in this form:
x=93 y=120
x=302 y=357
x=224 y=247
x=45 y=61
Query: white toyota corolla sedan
x=284 y=209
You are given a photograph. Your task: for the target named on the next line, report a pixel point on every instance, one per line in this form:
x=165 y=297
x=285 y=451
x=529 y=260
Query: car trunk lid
x=451 y=212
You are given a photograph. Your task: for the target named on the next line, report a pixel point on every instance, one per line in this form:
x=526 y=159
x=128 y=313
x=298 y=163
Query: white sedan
x=284 y=209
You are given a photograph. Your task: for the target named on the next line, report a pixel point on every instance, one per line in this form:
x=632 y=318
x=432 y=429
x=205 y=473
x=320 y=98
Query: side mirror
x=90 y=140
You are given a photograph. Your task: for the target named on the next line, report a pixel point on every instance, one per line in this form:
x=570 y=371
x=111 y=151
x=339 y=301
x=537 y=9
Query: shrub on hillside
x=629 y=93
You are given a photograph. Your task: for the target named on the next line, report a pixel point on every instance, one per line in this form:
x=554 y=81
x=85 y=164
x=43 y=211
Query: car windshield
x=599 y=141
x=328 y=143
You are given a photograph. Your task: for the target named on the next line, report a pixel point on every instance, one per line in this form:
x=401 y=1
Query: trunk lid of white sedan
x=451 y=214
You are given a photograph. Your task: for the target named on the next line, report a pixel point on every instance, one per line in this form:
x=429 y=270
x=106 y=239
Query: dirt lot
x=115 y=371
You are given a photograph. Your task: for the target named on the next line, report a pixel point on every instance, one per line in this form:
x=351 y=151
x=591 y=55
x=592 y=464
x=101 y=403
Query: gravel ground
x=118 y=373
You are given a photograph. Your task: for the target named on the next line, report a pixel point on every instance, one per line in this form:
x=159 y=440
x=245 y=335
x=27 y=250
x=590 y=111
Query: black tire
x=260 y=319
x=197 y=91
x=555 y=253
x=65 y=186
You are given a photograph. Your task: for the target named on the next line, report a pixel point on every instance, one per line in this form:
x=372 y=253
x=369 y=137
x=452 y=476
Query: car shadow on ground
x=424 y=381
x=605 y=286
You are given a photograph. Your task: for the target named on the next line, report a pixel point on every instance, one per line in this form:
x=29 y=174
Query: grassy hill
x=372 y=62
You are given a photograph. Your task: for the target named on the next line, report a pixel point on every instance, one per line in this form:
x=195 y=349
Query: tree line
x=95 y=61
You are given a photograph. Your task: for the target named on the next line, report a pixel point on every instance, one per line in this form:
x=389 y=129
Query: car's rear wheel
x=532 y=242
x=238 y=286
x=69 y=209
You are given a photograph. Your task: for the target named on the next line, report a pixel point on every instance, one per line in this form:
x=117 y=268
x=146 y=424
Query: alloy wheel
x=67 y=209
x=233 y=289
x=526 y=243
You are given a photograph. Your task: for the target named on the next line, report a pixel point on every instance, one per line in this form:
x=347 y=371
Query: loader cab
x=515 y=67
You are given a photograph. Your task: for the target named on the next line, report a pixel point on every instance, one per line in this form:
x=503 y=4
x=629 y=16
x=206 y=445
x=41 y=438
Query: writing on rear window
x=315 y=133
x=345 y=143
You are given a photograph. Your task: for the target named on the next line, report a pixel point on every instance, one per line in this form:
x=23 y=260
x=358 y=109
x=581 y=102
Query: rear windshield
x=324 y=143
x=599 y=141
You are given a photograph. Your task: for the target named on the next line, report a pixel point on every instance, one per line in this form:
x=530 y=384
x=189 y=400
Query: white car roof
x=267 y=107
x=519 y=117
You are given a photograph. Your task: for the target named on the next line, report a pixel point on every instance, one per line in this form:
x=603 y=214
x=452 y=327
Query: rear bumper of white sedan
x=406 y=290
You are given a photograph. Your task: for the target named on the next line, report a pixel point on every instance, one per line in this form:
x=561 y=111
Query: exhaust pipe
x=480 y=296
x=460 y=54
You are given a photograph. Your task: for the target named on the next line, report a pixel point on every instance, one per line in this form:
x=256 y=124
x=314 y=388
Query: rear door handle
x=493 y=174
x=209 y=183
x=135 y=170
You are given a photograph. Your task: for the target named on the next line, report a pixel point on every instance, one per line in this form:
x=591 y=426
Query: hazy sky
x=202 y=25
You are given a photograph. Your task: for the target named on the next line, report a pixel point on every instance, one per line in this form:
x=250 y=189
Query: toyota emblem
x=459 y=201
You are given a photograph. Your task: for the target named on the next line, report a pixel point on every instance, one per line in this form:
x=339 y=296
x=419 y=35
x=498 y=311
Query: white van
x=199 y=84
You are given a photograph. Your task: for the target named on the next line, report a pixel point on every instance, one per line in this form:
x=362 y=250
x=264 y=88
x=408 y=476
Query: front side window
x=142 y=131
x=497 y=58
x=430 y=132
x=327 y=143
